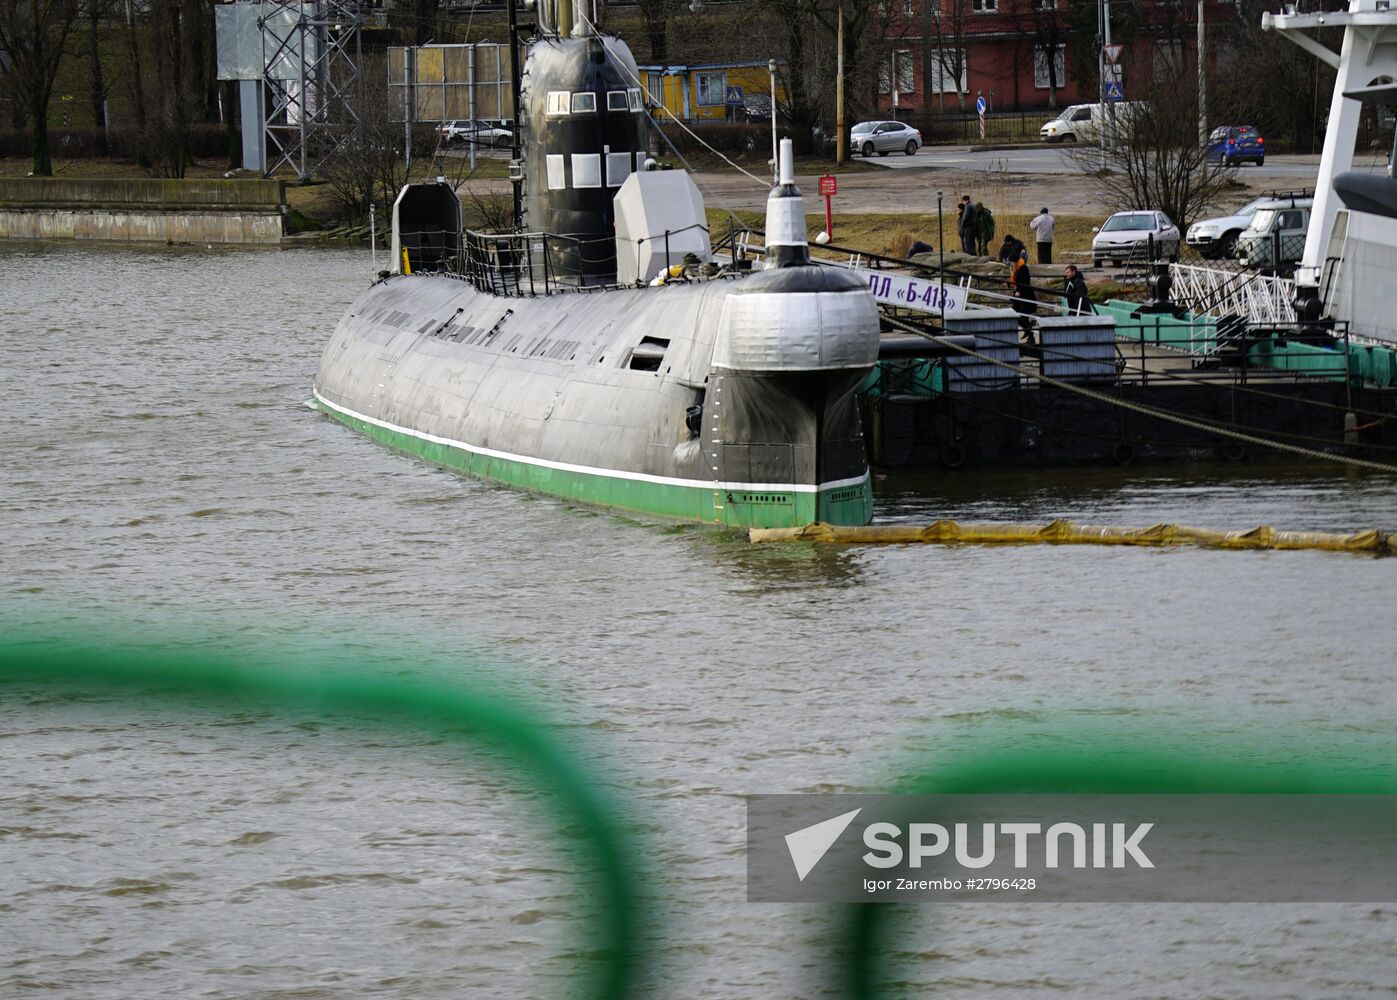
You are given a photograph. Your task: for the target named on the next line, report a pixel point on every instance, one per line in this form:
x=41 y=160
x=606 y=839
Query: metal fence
x=955 y=127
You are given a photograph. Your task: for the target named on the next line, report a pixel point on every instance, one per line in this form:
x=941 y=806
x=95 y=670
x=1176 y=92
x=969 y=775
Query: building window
x=943 y=72
x=984 y=6
x=885 y=76
x=1045 y=4
x=712 y=88
x=1040 y=67
x=1168 y=61
x=905 y=79
x=559 y=102
x=616 y=100
x=655 y=83
x=584 y=101
x=907 y=10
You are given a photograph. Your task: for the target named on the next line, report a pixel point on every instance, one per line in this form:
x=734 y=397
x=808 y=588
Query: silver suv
x=1275 y=238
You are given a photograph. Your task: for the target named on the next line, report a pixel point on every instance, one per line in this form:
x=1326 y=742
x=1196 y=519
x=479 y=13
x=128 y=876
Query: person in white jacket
x=1042 y=226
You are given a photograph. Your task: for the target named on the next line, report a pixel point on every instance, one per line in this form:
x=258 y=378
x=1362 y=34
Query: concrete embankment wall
x=141 y=209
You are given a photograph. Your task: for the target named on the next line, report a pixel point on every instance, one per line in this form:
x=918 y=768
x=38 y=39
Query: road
x=1060 y=160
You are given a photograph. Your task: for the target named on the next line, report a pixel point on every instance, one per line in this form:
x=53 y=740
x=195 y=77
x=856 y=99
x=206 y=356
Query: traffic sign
x=734 y=96
x=828 y=186
x=980 y=105
x=1113 y=92
x=1112 y=53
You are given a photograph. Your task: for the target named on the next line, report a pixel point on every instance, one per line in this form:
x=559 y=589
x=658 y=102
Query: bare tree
x=865 y=26
x=801 y=111
x=95 y=11
x=33 y=33
x=369 y=167
x=169 y=135
x=1153 y=158
x=655 y=15
x=1044 y=26
x=948 y=20
x=1258 y=79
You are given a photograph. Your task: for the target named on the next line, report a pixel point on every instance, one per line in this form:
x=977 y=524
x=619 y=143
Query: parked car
x=1217 y=238
x=1231 y=145
x=884 y=138
x=1128 y=235
x=479 y=133
x=756 y=107
x=1277 y=228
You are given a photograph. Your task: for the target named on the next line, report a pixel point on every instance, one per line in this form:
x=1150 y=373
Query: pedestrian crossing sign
x=734 y=96
x=1113 y=92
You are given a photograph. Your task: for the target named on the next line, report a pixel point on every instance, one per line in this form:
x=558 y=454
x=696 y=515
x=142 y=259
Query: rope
x=764 y=184
x=1150 y=411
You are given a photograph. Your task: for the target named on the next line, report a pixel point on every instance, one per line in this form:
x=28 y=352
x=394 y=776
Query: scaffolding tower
x=299 y=65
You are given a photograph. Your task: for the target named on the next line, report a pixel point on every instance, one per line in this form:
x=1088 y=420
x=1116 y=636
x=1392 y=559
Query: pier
x=132 y=210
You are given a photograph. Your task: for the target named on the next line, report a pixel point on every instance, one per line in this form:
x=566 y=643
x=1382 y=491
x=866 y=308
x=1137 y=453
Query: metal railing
x=527 y=264
x=1258 y=298
x=1247 y=359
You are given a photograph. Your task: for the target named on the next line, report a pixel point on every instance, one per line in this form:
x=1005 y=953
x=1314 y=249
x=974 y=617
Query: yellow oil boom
x=1063 y=532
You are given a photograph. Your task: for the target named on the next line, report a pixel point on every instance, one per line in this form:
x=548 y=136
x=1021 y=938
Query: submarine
x=602 y=350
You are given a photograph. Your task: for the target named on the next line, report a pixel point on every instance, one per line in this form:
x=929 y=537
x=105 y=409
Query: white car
x=884 y=138
x=1217 y=238
x=477 y=133
x=1128 y=235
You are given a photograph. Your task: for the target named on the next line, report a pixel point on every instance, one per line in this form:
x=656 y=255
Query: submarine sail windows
x=586 y=170
x=637 y=101
x=616 y=100
x=584 y=101
x=618 y=168
x=557 y=178
x=559 y=102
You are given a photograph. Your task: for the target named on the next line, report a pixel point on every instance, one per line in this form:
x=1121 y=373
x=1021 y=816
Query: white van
x=1083 y=122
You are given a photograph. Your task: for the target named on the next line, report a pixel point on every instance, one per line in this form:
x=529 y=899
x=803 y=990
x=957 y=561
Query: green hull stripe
x=730 y=505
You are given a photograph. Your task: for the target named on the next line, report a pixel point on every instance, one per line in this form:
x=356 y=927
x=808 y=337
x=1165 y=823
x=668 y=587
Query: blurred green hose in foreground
x=1090 y=765
x=183 y=675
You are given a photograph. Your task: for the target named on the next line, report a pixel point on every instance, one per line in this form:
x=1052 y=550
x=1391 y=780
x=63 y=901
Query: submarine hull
x=608 y=398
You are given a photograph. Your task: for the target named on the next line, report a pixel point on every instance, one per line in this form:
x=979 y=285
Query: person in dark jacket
x=1010 y=249
x=984 y=229
x=1025 y=303
x=968 y=224
x=1075 y=289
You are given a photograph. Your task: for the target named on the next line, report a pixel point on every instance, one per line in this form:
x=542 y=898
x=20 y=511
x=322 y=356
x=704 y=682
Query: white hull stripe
x=590 y=470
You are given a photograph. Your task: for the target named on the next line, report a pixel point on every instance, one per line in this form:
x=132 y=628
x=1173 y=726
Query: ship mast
x=1368 y=55
x=516 y=160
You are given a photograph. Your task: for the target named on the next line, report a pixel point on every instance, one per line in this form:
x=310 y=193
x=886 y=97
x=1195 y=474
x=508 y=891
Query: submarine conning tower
x=794 y=314
x=794 y=341
x=583 y=130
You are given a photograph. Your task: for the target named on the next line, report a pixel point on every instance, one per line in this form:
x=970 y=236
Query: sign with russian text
x=921 y=294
